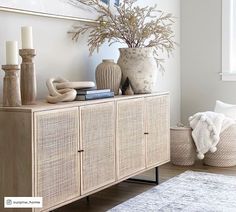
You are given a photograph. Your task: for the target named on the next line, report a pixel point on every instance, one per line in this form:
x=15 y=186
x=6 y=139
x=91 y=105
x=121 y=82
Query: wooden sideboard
x=67 y=151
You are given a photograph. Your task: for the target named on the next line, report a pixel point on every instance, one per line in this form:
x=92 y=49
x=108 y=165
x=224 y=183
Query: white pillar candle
x=27 y=37
x=11 y=53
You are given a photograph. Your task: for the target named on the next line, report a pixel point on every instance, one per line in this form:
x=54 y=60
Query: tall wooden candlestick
x=11 y=86
x=28 y=77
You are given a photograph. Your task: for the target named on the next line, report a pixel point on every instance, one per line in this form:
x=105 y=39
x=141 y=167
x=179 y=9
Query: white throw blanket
x=207 y=127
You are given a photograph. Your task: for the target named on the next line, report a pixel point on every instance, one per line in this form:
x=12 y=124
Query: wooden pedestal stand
x=28 y=77
x=11 y=86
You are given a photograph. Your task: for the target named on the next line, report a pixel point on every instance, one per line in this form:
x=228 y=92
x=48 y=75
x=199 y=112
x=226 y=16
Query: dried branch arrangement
x=136 y=26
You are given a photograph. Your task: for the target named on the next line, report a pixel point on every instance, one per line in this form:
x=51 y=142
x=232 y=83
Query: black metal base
x=156 y=181
x=87 y=199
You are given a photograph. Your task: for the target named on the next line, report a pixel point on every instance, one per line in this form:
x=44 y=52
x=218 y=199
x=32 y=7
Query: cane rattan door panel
x=157 y=123
x=98 y=142
x=57 y=171
x=130 y=137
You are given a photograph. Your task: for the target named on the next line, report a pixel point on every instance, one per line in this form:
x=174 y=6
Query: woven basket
x=225 y=155
x=182 y=147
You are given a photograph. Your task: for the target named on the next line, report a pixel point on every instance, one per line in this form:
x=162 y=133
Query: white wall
x=57 y=55
x=171 y=79
x=201 y=85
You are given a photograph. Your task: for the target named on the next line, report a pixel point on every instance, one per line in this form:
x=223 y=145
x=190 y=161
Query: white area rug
x=189 y=192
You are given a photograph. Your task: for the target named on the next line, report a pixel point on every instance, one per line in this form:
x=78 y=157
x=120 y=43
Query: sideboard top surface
x=42 y=105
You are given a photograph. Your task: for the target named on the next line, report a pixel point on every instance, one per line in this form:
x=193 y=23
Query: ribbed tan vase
x=139 y=65
x=108 y=75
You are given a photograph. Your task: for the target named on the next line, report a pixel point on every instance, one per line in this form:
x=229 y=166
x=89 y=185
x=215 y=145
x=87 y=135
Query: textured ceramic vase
x=139 y=65
x=108 y=75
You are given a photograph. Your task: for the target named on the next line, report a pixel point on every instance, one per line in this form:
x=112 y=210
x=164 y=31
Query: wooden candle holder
x=28 y=77
x=11 y=86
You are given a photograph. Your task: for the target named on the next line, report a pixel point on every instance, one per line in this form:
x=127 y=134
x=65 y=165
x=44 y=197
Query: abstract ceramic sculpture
x=139 y=65
x=61 y=90
x=108 y=75
x=127 y=88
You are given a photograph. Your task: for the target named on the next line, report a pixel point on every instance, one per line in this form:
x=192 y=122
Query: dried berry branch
x=136 y=26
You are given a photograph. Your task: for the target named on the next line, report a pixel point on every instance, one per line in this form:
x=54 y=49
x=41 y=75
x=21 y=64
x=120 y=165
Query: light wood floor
x=121 y=192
